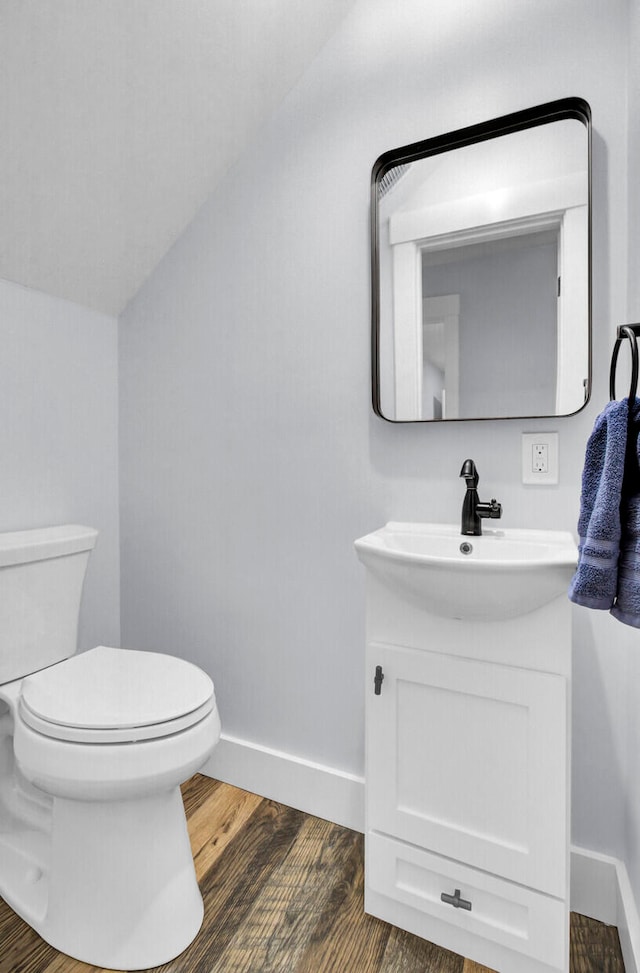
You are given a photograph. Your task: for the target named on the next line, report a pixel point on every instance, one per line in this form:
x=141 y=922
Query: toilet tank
x=41 y=576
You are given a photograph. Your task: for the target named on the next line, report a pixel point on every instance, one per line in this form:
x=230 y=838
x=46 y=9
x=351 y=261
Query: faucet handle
x=493 y=509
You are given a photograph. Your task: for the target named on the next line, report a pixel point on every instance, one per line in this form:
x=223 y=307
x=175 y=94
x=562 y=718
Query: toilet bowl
x=114 y=724
x=94 y=849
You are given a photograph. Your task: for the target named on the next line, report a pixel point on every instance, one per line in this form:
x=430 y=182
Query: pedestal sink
x=500 y=574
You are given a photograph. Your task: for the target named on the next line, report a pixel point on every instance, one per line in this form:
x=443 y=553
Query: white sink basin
x=504 y=574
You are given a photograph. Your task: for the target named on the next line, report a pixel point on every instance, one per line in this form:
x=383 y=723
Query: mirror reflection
x=481 y=271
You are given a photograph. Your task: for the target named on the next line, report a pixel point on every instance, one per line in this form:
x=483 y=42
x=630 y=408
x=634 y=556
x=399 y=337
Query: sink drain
x=466 y=547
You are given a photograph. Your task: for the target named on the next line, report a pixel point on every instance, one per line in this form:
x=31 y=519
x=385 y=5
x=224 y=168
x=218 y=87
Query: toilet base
x=121 y=890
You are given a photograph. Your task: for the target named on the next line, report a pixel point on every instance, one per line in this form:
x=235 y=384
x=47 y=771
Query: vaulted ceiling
x=118 y=118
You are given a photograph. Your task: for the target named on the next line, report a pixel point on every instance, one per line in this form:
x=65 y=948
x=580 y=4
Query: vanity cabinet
x=467 y=780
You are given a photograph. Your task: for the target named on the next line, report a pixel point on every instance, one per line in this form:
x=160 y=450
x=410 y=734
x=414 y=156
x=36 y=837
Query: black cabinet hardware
x=456 y=901
x=377 y=681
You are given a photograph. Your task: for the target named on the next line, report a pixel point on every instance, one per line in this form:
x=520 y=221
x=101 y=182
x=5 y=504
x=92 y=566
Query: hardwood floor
x=283 y=894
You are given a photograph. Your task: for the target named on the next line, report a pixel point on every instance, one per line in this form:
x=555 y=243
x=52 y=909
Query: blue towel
x=595 y=582
x=627 y=606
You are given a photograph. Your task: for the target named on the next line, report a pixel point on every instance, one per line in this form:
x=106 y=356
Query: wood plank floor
x=283 y=894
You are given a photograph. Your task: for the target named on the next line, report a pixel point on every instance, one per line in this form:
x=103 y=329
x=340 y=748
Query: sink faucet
x=472 y=508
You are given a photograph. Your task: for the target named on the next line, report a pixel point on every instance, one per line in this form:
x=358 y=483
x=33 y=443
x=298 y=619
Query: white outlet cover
x=531 y=476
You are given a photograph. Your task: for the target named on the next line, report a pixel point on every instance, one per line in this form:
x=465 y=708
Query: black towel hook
x=630 y=331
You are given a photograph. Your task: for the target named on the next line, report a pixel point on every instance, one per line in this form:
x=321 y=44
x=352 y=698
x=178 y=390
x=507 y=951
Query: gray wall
x=250 y=457
x=59 y=435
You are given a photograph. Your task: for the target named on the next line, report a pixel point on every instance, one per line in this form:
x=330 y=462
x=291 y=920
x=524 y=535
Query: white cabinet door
x=469 y=759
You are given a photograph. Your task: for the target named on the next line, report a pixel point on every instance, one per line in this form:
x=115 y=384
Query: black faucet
x=472 y=508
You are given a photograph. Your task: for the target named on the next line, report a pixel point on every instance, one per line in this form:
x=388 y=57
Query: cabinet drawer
x=513 y=916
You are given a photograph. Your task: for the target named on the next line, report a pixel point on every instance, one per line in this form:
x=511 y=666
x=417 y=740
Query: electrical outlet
x=540 y=458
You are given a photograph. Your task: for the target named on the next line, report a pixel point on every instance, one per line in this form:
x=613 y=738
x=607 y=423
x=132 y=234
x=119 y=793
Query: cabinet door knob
x=377 y=680
x=456 y=901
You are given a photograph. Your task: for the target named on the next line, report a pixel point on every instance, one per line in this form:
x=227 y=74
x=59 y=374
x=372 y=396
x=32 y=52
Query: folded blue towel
x=594 y=584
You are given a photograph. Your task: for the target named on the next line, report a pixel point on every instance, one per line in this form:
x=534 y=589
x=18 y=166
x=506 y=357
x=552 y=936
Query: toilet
x=94 y=849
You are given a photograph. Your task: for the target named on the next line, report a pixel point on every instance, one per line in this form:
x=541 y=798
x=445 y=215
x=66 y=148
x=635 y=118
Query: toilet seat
x=109 y=695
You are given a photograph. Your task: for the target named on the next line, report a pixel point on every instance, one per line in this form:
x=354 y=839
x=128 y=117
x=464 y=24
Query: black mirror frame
x=552 y=111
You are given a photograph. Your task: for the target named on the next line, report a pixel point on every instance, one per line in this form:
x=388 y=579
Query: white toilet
x=94 y=849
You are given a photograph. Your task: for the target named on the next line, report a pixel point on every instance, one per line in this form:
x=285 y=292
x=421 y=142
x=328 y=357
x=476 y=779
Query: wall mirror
x=481 y=244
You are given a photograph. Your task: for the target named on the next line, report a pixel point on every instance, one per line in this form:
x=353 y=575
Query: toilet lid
x=107 y=694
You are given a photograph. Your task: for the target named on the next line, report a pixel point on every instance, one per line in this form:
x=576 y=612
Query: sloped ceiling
x=117 y=119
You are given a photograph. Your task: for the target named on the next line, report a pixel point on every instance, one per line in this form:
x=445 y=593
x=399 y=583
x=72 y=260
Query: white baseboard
x=311 y=787
x=594 y=885
x=628 y=922
x=600 y=886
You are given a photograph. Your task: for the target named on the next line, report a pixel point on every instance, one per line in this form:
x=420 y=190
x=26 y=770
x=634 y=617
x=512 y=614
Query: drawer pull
x=456 y=901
